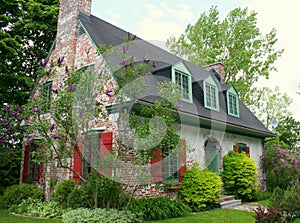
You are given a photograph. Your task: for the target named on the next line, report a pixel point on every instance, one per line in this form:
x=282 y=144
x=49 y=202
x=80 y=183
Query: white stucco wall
x=196 y=137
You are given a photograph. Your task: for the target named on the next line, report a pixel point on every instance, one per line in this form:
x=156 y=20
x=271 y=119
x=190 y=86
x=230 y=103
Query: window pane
x=211 y=97
x=183 y=82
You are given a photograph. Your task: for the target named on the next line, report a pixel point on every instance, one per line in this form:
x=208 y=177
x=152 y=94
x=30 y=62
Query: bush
x=239 y=175
x=159 y=208
x=80 y=197
x=270 y=214
x=261 y=195
x=287 y=201
x=82 y=215
x=201 y=189
x=37 y=208
x=16 y=193
x=62 y=190
x=282 y=167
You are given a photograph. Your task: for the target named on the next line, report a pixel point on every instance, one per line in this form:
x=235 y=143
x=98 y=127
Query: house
x=213 y=120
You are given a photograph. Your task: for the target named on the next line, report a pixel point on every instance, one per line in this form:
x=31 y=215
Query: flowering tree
x=79 y=103
x=11 y=133
x=282 y=167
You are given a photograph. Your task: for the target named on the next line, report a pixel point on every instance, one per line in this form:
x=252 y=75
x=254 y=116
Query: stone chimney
x=67 y=28
x=218 y=67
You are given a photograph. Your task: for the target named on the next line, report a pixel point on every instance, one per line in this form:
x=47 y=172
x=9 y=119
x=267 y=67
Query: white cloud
x=153 y=11
x=158 y=30
x=114 y=15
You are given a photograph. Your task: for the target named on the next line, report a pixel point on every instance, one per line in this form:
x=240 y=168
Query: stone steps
x=228 y=201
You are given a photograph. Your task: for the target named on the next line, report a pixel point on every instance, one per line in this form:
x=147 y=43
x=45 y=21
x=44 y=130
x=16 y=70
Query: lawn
x=8 y=218
x=216 y=216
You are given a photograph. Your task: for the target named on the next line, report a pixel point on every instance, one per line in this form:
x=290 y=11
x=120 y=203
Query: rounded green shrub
x=62 y=191
x=239 y=175
x=17 y=193
x=201 y=189
x=159 y=208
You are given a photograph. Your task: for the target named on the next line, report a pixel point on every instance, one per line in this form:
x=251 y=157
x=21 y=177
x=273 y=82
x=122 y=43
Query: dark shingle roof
x=102 y=32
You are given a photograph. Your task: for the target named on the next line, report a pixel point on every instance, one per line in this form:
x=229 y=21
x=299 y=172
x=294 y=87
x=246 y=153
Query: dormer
x=211 y=94
x=232 y=102
x=182 y=76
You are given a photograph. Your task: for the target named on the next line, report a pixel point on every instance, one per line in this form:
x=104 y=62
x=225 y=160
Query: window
x=90 y=152
x=46 y=96
x=232 y=102
x=182 y=80
x=242 y=147
x=170 y=165
x=211 y=97
x=182 y=77
x=81 y=29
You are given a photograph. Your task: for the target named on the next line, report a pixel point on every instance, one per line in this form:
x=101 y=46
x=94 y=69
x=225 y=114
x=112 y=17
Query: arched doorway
x=212 y=155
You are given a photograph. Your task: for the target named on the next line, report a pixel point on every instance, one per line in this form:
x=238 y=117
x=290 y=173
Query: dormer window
x=233 y=102
x=182 y=77
x=211 y=97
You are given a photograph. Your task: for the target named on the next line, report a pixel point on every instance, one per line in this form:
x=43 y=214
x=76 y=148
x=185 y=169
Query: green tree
x=270 y=105
x=287 y=131
x=27 y=31
x=235 y=41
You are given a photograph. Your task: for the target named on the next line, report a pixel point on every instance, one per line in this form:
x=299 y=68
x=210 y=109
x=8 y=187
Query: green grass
x=215 y=216
x=5 y=217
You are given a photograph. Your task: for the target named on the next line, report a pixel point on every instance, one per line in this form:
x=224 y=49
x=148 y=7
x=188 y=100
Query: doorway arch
x=213 y=155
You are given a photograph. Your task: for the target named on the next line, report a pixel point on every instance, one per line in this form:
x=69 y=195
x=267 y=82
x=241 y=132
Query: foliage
x=282 y=167
x=62 y=190
x=201 y=189
x=288 y=132
x=100 y=215
x=27 y=30
x=261 y=195
x=37 y=208
x=287 y=201
x=270 y=105
x=239 y=175
x=16 y=193
x=236 y=42
x=159 y=208
x=268 y=215
x=11 y=134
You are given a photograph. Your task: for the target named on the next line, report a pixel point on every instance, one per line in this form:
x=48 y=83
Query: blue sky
x=157 y=20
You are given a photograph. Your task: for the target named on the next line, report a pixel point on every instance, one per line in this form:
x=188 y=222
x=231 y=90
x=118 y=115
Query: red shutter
x=156 y=166
x=248 y=151
x=25 y=164
x=77 y=163
x=105 y=147
x=182 y=158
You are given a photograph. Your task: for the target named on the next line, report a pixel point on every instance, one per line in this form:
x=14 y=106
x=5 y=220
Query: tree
x=11 y=135
x=288 y=131
x=236 y=42
x=270 y=105
x=27 y=31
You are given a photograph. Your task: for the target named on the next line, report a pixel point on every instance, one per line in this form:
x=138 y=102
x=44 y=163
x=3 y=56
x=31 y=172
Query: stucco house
x=213 y=120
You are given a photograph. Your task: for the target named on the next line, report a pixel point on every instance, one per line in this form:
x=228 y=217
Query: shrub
x=16 y=193
x=37 y=208
x=239 y=175
x=62 y=190
x=270 y=214
x=98 y=215
x=159 y=208
x=261 y=195
x=201 y=189
x=287 y=201
x=282 y=167
x=80 y=197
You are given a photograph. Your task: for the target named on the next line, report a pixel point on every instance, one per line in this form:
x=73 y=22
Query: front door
x=212 y=155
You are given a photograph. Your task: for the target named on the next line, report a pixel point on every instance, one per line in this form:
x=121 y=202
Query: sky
x=158 y=20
